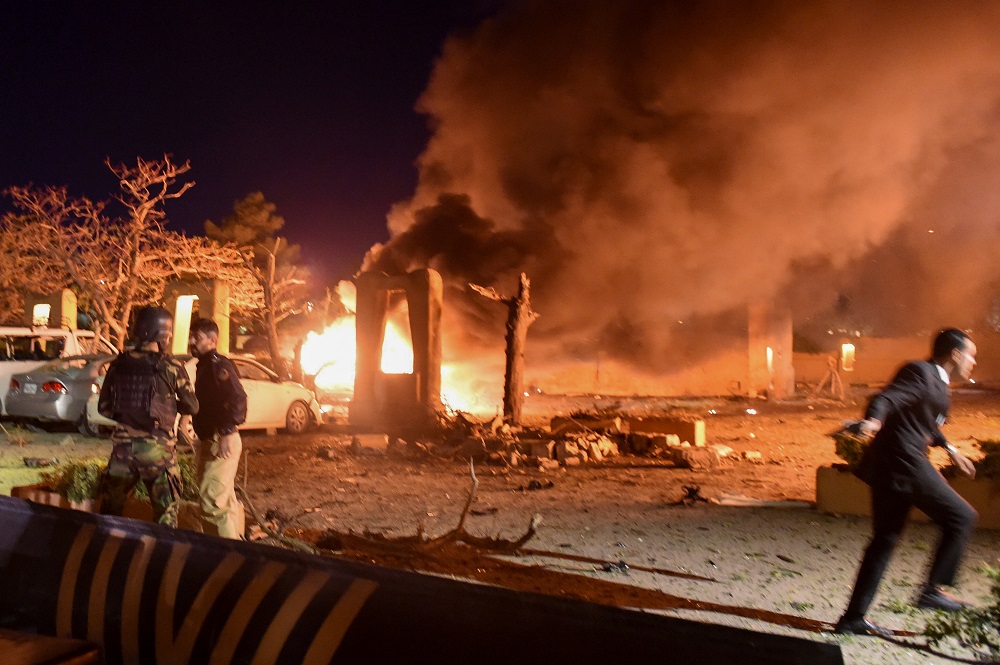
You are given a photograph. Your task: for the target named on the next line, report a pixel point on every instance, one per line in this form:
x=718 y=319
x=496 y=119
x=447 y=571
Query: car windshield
x=254 y=372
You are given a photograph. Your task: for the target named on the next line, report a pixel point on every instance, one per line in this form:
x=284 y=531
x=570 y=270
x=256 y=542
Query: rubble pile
x=568 y=441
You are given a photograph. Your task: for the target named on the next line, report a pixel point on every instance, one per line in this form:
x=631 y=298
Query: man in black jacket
x=905 y=419
x=223 y=407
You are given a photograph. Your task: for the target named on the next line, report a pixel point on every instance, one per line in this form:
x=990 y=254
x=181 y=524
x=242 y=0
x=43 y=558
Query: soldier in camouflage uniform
x=143 y=392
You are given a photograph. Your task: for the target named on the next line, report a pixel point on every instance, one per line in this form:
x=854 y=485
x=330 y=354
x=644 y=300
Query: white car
x=271 y=402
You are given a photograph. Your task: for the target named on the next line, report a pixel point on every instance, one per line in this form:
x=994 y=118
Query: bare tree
x=21 y=271
x=118 y=263
x=252 y=228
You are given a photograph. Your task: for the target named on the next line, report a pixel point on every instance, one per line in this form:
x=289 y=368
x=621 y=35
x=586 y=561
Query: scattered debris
x=615 y=567
x=326 y=452
x=367 y=443
x=38 y=462
x=484 y=511
x=536 y=485
x=722 y=450
x=696 y=458
x=16 y=436
x=692 y=495
x=747 y=502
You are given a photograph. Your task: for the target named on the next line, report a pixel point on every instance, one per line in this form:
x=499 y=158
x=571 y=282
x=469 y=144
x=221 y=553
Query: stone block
x=566 y=449
x=371 y=441
x=638 y=442
x=664 y=441
x=697 y=459
x=542 y=449
x=594 y=452
x=692 y=431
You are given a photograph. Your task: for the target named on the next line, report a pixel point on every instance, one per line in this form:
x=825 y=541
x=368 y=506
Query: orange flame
x=330 y=357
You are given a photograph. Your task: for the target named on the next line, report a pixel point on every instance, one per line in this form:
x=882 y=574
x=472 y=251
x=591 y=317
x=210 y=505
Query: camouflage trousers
x=152 y=460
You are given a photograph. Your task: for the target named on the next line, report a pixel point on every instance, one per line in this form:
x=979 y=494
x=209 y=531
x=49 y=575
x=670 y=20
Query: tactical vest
x=140 y=393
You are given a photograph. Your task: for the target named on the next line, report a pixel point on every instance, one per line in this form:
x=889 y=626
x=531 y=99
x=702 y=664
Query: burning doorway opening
x=384 y=397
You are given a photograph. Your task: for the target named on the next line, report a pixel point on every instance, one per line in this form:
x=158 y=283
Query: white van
x=23 y=349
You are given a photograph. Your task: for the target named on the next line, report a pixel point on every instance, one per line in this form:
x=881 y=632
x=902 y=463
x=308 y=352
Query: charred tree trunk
x=519 y=317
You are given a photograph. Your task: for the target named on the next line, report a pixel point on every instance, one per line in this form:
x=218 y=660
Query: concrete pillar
x=211 y=299
x=52 y=310
x=769 y=350
x=389 y=400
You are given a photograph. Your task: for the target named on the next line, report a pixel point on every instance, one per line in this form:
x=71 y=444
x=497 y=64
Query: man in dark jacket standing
x=905 y=419
x=144 y=390
x=223 y=407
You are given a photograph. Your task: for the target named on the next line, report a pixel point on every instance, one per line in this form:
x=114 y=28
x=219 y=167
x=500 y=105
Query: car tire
x=298 y=419
x=88 y=428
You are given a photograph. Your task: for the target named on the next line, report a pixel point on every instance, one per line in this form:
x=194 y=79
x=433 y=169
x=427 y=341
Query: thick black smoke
x=648 y=163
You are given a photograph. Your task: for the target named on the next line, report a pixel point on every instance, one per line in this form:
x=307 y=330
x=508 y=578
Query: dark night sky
x=310 y=103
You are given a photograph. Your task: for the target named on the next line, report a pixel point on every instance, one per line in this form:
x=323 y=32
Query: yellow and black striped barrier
x=159 y=596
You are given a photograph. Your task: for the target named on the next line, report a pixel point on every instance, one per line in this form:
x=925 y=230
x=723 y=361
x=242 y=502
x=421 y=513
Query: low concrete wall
x=841 y=492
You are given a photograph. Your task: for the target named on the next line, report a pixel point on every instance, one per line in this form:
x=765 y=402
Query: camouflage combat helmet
x=152 y=324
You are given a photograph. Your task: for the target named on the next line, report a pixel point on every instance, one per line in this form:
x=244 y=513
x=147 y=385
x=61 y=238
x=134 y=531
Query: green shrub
x=78 y=480
x=81 y=479
x=977 y=628
x=849 y=447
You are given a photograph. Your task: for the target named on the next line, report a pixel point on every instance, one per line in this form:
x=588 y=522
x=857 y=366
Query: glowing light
x=330 y=356
x=847 y=357
x=40 y=314
x=397 y=347
x=752 y=412
x=182 y=323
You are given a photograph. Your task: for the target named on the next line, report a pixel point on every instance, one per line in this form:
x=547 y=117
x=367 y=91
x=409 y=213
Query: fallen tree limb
x=419 y=543
x=294 y=543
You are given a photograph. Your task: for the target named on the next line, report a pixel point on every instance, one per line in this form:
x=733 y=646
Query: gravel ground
x=779 y=566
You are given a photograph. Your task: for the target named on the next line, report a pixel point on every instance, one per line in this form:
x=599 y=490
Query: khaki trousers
x=221 y=512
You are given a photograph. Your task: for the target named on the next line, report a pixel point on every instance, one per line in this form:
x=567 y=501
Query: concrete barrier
x=151 y=594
